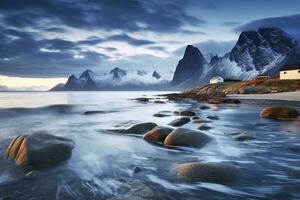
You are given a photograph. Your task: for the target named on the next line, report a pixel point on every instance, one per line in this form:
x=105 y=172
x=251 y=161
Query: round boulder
x=187 y=113
x=140 y=128
x=158 y=134
x=279 y=113
x=187 y=138
x=204 y=127
x=39 y=151
x=210 y=172
x=180 y=121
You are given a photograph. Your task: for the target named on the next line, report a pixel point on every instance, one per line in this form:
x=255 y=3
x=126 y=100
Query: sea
x=103 y=161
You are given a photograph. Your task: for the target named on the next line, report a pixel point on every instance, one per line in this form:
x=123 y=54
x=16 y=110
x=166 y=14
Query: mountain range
x=116 y=79
x=257 y=52
x=261 y=52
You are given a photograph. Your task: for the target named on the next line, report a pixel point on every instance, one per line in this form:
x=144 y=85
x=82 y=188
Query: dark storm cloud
x=131 y=15
x=23 y=55
x=290 y=24
x=31 y=52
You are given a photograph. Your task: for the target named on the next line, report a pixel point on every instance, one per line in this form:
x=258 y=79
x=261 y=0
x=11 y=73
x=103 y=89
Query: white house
x=290 y=72
x=216 y=79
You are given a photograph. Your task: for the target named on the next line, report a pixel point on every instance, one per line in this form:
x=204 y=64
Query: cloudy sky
x=43 y=42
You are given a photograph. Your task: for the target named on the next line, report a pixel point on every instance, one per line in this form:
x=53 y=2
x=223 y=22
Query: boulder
x=187 y=113
x=204 y=107
x=210 y=172
x=204 y=127
x=215 y=101
x=176 y=113
x=279 y=113
x=187 y=138
x=159 y=102
x=180 y=121
x=195 y=117
x=158 y=134
x=39 y=151
x=231 y=101
x=139 y=128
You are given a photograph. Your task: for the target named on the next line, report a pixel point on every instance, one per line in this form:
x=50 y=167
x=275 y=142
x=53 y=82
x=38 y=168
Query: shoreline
x=283 y=96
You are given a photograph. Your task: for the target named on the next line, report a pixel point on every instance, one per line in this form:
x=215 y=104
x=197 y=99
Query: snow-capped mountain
x=116 y=79
x=261 y=52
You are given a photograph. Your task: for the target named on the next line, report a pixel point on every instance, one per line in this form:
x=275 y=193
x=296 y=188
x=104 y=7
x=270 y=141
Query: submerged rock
x=187 y=113
x=204 y=107
x=142 y=99
x=158 y=134
x=200 y=121
x=93 y=112
x=187 y=138
x=213 y=117
x=195 y=118
x=180 y=121
x=39 y=151
x=242 y=136
x=210 y=172
x=159 y=102
x=223 y=101
x=140 y=128
x=279 y=113
x=137 y=190
x=136 y=169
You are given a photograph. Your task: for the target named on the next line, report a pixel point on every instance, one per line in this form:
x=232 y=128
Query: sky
x=44 y=42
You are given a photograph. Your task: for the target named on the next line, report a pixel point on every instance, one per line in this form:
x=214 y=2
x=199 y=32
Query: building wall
x=216 y=80
x=290 y=74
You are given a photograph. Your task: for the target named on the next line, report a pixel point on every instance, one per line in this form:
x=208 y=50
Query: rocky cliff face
x=190 y=67
x=261 y=52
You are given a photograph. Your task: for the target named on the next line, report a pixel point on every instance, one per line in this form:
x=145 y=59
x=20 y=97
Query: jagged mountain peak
x=118 y=73
x=156 y=75
x=194 y=54
x=191 y=65
x=87 y=74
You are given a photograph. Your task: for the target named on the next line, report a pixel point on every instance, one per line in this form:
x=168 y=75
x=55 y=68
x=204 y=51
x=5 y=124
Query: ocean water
x=102 y=162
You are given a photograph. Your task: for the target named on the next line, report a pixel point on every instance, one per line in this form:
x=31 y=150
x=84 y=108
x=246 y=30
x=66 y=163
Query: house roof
x=291 y=66
x=216 y=77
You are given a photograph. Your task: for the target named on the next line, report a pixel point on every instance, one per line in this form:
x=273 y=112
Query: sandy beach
x=287 y=96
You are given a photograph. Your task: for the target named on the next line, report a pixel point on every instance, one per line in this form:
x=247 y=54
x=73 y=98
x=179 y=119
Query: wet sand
x=287 y=96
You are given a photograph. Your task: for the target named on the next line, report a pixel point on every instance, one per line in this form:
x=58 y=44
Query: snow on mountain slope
x=261 y=52
x=116 y=79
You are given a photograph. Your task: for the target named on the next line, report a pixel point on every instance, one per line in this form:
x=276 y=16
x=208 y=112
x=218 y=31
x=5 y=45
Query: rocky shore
x=36 y=153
